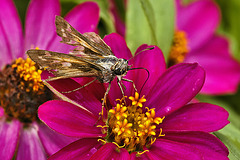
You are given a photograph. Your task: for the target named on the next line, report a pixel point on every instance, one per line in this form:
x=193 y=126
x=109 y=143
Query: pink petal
x=1 y=112
x=165 y=149
x=118 y=45
x=85 y=96
x=175 y=88
x=84 y=18
x=154 y=62
x=9 y=136
x=30 y=146
x=53 y=141
x=96 y=88
x=11 y=38
x=110 y=151
x=210 y=147
x=199 y=20
x=197 y=117
x=5 y=56
x=222 y=70
x=82 y=149
x=69 y=119
x=222 y=49
x=40 y=23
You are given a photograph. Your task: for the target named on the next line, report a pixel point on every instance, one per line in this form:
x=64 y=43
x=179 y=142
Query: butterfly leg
x=104 y=102
x=128 y=80
x=119 y=84
x=85 y=85
x=124 y=87
x=105 y=96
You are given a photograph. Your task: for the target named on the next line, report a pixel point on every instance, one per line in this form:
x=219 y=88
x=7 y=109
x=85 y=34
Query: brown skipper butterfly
x=91 y=58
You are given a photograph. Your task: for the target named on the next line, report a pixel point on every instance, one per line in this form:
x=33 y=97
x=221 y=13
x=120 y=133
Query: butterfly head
x=121 y=67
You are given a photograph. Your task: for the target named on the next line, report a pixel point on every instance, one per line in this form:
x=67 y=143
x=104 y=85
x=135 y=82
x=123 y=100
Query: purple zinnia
x=163 y=124
x=195 y=40
x=22 y=135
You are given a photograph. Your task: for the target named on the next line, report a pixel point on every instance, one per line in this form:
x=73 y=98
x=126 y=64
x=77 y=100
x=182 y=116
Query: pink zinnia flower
x=22 y=135
x=164 y=125
x=196 y=24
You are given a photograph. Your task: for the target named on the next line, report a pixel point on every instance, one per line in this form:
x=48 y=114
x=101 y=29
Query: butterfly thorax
x=112 y=67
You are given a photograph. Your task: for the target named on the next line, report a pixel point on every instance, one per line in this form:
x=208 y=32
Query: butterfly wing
x=65 y=65
x=90 y=41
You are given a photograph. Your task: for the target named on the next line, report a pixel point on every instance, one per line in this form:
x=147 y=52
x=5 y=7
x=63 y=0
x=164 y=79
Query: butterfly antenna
x=140 y=52
x=145 y=80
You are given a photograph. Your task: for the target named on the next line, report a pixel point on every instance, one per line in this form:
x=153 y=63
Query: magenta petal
x=175 y=88
x=222 y=49
x=222 y=70
x=210 y=146
x=69 y=119
x=1 y=112
x=96 y=88
x=165 y=149
x=30 y=146
x=199 y=20
x=5 y=56
x=108 y=151
x=53 y=141
x=9 y=136
x=82 y=149
x=11 y=38
x=84 y=18
x=40 y=26
x=153 y=61
x=118 y=45
x=197 y=117
x=84 y=96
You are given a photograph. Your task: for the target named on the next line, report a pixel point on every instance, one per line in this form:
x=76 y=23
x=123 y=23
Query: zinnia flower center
x=179 y=48
x=21 y=90
x=133 y=126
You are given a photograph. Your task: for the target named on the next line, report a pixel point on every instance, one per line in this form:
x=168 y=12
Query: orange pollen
x=179 y=48
x=133 y=126
x=29 y=73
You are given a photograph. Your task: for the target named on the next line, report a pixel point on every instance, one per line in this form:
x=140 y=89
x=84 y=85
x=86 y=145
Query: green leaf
x=150 y=17
x=22 y=8
x=137 y=28
x=229 y=135
x=150 y=22
x=104 y=13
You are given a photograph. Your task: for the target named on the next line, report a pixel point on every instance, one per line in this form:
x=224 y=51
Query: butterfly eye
x=118 y=71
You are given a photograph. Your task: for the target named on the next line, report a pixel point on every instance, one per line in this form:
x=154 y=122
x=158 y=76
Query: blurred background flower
x=22 y=135
x=196 y=25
